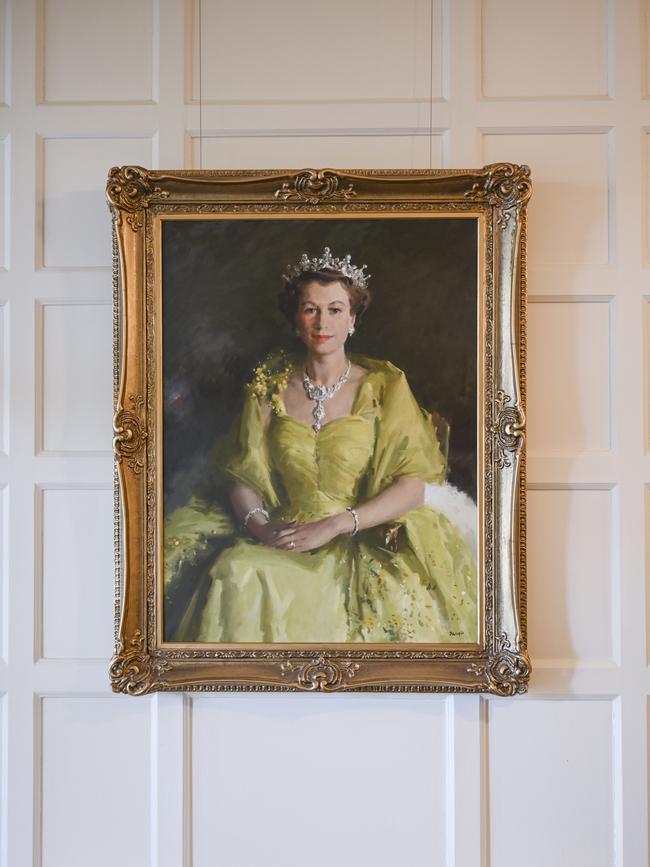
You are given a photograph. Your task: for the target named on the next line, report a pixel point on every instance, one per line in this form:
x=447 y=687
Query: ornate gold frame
x=139 y=199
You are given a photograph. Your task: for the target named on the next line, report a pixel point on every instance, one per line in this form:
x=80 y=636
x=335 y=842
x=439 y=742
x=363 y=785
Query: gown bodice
x=321 y=473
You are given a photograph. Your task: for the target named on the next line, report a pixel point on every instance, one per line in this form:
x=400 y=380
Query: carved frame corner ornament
x=141 y=202
x=314 y=186
x=506 y=672
x=132 y=189
x=506 y=186
x=133 y=670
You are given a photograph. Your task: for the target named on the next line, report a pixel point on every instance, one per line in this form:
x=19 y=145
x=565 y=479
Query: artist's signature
x=456 y=634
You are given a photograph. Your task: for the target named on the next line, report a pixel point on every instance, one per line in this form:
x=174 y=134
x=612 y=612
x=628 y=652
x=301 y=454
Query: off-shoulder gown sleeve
x=427 y=590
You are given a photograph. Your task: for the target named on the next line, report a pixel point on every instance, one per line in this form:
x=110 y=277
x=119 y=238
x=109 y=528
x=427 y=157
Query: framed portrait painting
x=319 y=429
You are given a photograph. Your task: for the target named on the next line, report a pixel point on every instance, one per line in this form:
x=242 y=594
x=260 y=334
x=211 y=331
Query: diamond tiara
x=327 y=262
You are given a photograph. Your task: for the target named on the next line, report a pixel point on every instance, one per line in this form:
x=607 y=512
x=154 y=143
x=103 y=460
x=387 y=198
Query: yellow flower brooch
x=270 y=378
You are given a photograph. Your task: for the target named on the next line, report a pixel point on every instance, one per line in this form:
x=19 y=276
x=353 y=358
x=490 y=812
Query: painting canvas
x=222 y=280
x=310 y=453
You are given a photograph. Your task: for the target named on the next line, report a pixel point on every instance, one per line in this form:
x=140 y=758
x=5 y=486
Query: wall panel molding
x=644 y=187
x=571 y=220
x=71 y=820
x=645 y=319
x=645 y=49
x=66 y=387
x=4 y=780
x=71 y=174
x=577 y=739
x=4 y=573
x=391 y=56
x=577 y=35
x=73 y=562
x=417 y=769
x=576 y=379
x=5 y=53
x=4 y=377
x=573 y=580
x=86 y=71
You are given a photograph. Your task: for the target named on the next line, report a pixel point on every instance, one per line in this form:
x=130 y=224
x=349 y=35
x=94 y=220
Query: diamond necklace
x=320 y=393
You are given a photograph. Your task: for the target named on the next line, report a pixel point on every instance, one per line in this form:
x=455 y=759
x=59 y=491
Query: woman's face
x=324 y=318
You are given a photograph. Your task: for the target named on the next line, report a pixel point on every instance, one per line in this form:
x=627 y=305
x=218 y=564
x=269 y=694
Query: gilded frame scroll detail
x=138 y=198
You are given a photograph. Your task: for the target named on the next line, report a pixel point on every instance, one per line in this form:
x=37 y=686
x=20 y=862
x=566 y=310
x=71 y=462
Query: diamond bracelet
x=258 y=510
x=355 y=515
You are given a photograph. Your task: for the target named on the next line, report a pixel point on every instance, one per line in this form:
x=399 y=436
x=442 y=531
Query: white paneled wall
x=88 y=31
x=557 y=778
x=73 y=340
x=69 y=196
x=576 y=35
x=646 y=178
x=74 y=590
x=571 y=556
x=4 y=377
x=564 y=812
x=311 y=55
x=572 y=181
x=574 y=380
x=378 y=760
x=90 y=748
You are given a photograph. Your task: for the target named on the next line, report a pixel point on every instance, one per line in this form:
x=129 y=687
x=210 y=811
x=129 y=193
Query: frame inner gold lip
x=158 y=217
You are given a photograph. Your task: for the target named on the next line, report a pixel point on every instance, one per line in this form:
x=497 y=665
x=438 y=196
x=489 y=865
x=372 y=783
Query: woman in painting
x=329 y=450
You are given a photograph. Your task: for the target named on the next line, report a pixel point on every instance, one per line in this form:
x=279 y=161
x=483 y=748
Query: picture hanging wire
x=200 y=40
x=200 y=86
x=430 y=86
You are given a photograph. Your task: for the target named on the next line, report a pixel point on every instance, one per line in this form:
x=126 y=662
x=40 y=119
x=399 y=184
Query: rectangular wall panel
x=644 y=192
x=645 y=318
x=272 y=768
x=4 y=570
x=569 y=388
x=75 y=388
x=647 y=573
x=5 y=162
x=369 y=49
x=5 y=42
x=570 y=576
x=96 y=789
x=4 y=377
x=344 y=151
x=568 y=220
x=645 y=48
x=4 y=787
x=75 y=218
x=107 y=55
x=552 y=783
x=76 y=580
x=546 y=50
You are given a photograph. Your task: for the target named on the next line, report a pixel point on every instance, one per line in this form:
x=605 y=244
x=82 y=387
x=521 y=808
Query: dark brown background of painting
x=221 y=280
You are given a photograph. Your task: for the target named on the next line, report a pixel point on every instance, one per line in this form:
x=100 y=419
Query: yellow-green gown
x=353 y=588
